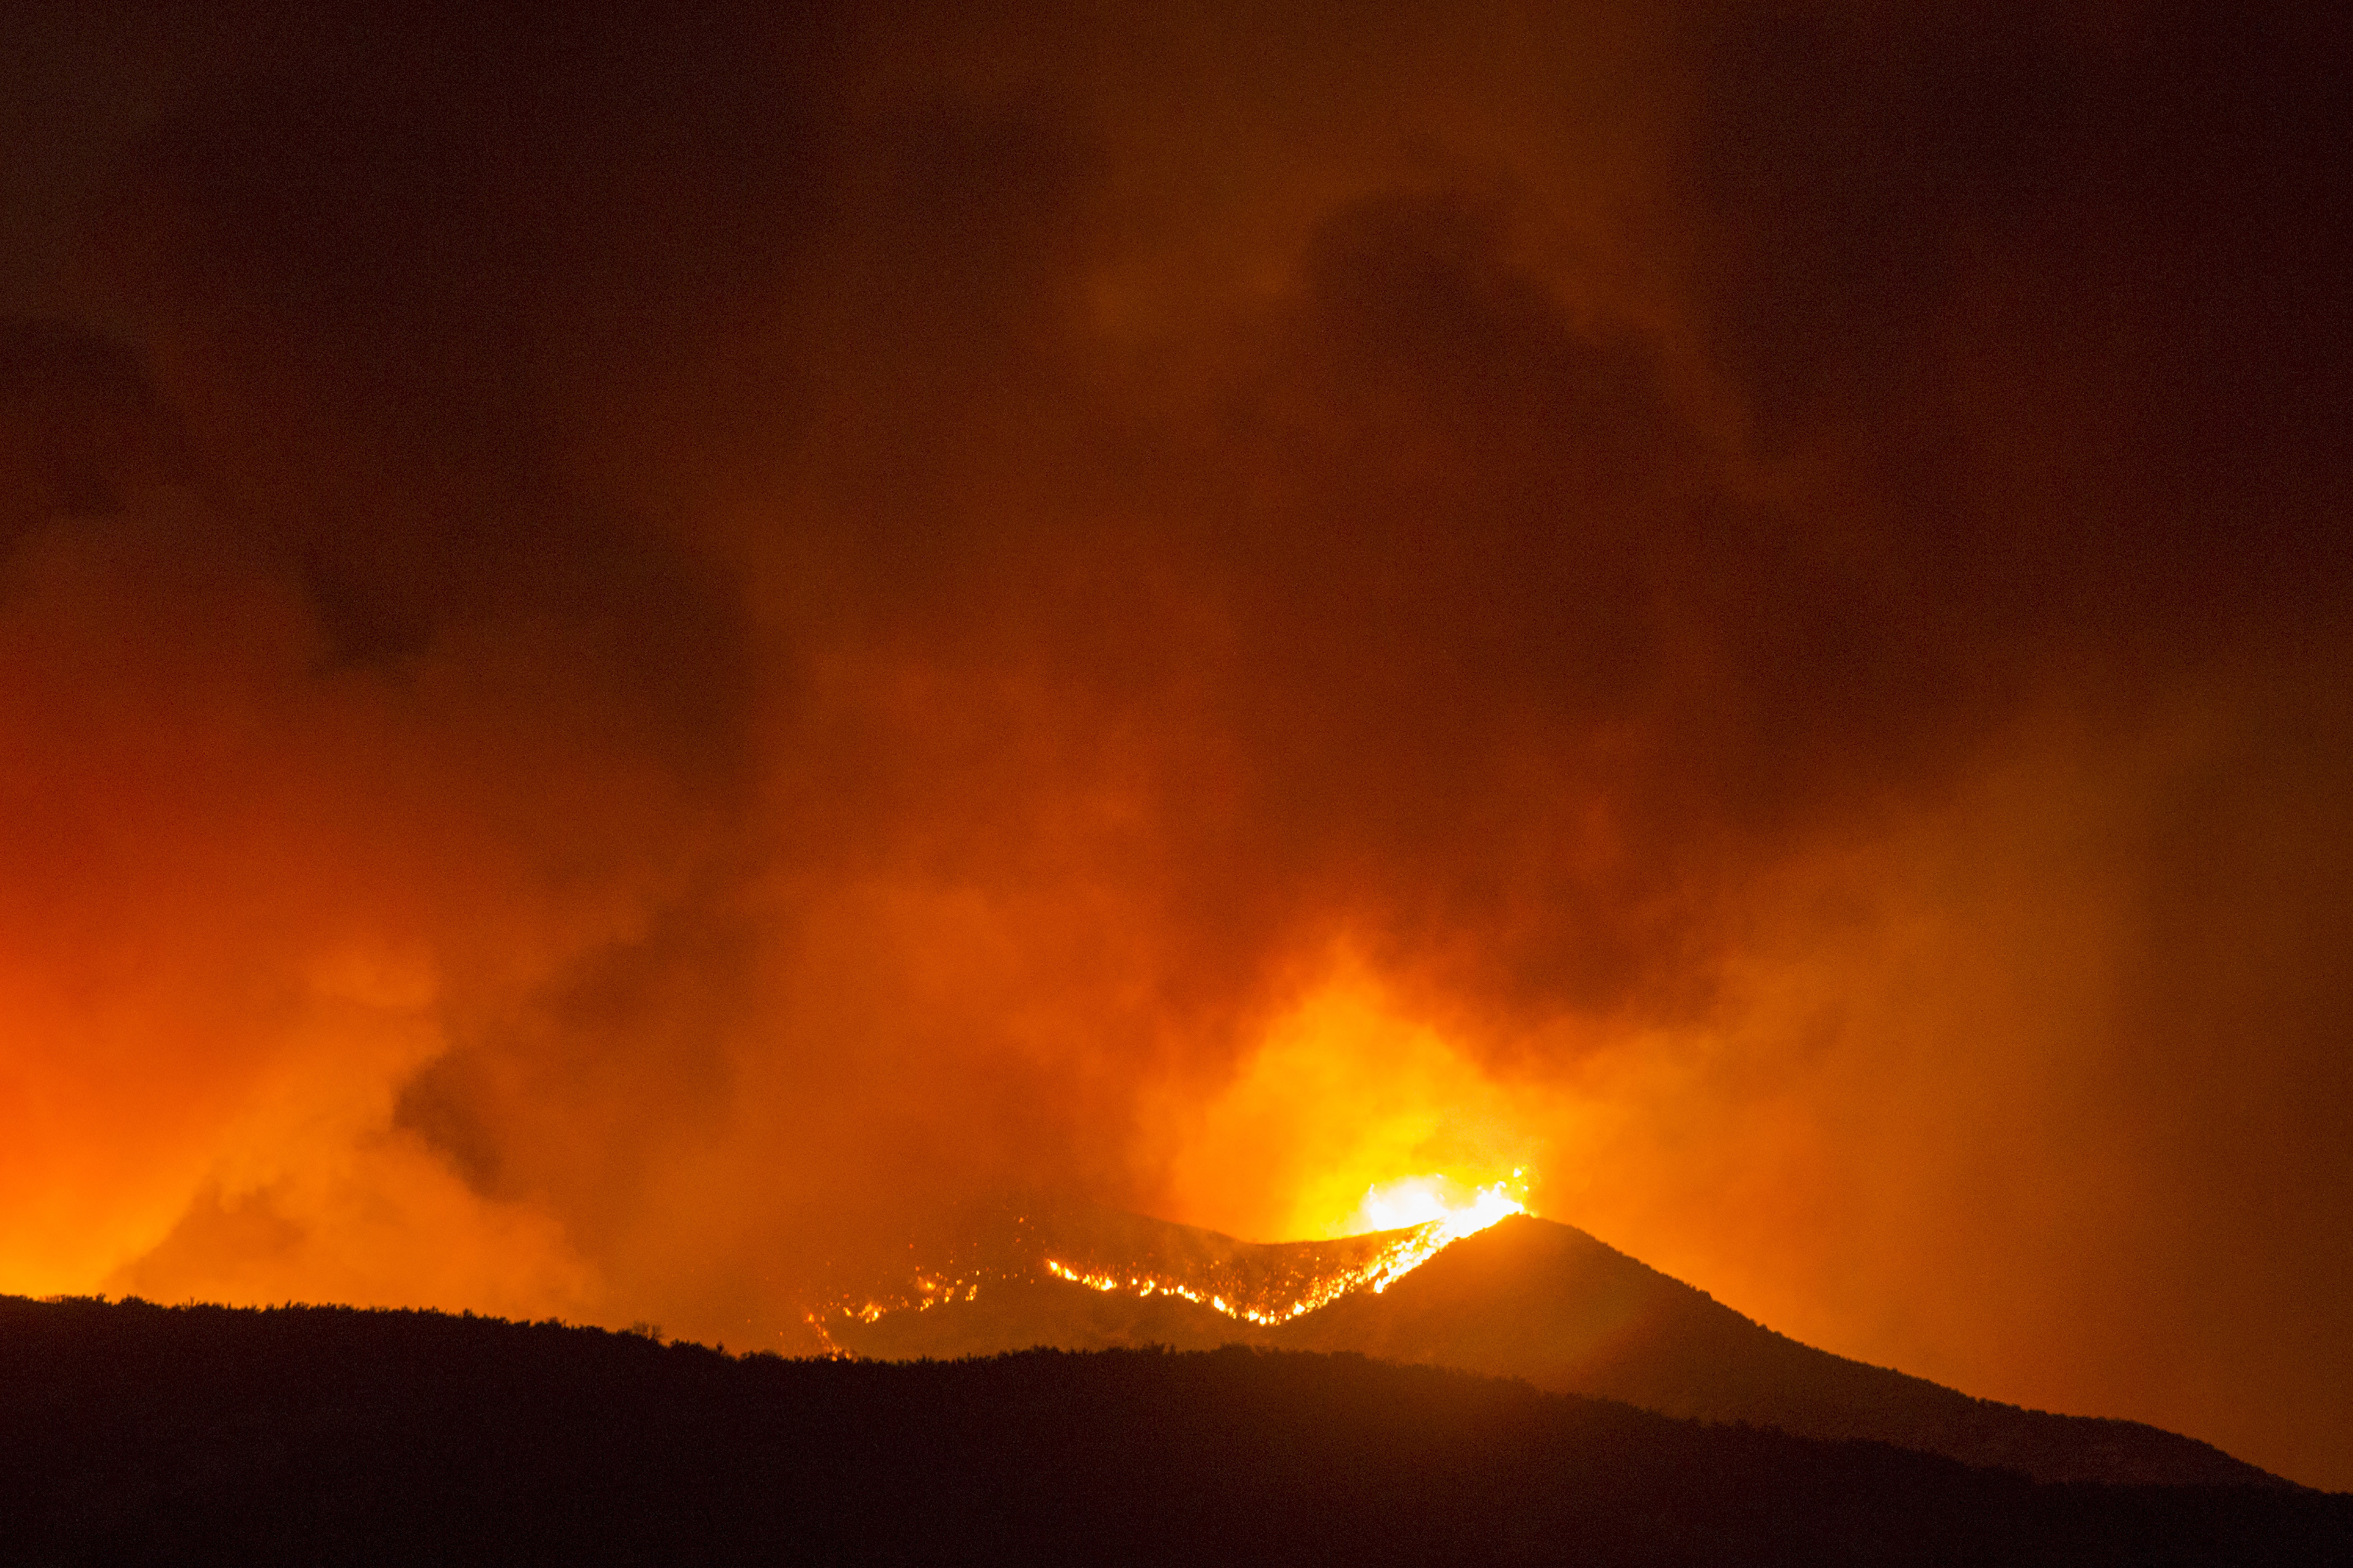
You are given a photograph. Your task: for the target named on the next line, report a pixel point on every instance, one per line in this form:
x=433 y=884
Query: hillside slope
x=132 y=1434
x=1533 y=1299
x=1020 y=1315
x=1528 y=1299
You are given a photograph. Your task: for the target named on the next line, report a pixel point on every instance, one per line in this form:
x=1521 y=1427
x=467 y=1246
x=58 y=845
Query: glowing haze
x=633 y=661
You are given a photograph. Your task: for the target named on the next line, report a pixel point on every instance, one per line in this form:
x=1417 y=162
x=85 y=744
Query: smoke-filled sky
x=637 y=654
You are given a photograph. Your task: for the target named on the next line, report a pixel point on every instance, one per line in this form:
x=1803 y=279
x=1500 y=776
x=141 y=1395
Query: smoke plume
x=635 y=655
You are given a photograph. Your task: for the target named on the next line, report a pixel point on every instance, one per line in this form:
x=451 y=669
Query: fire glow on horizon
x=1427 y=1210
x=1418 y=1215
x=1420 y=1201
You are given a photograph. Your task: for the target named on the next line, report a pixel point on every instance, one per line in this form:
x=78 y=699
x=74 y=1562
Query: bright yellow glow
x=1350 y=1091
x=1423 y=1200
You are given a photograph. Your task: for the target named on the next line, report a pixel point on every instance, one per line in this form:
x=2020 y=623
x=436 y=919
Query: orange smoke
x=632 y=666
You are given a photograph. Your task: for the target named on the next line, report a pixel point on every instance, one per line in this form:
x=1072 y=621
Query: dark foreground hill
x=136 y=1434
x=1546 y=1303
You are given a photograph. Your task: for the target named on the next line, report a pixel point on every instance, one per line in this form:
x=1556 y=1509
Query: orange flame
x=1420 y=1240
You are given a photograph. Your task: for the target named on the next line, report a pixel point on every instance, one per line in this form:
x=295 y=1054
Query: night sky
x=637 y=655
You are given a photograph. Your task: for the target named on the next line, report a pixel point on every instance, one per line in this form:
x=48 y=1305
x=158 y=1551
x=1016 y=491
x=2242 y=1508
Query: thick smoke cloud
x=639 y=658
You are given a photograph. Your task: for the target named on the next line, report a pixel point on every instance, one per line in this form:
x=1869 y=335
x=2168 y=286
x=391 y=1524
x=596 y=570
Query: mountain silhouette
x=1548 y=1303
x=134 y=1433
x=1526 y=1299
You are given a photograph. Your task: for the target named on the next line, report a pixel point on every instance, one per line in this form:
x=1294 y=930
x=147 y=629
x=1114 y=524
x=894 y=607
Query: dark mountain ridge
x=1548 y=1303
x=136 y=1434
x=1544 y=1302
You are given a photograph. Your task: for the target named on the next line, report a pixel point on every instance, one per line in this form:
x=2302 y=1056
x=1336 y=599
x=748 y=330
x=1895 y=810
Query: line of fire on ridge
x=1412 y=1246
x=1415 y=1247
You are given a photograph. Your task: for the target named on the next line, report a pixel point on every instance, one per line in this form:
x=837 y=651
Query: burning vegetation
x=1400 y=1252
x=1255 y=1285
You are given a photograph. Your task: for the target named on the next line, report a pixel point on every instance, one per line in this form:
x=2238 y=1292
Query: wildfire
x=1421 y=1209
x=931 y=1293
x=1417 y=1200
x=1394 y=1228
